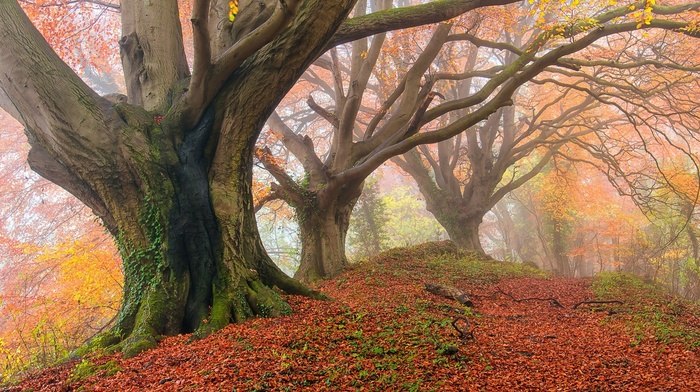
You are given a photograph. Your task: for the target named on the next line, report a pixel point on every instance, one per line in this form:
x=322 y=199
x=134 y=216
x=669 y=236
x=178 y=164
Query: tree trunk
x=176 y=197
x=460 y=215
x=193 y=262
x=559 y=249
x=463 y=230
x=693 y=286
x=323 y=235
x=368 y=212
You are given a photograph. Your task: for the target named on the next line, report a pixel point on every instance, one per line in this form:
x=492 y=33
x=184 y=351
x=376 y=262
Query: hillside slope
x=384 y=331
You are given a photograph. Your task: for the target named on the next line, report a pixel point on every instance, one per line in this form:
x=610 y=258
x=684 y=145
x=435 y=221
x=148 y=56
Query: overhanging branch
x=406 y=17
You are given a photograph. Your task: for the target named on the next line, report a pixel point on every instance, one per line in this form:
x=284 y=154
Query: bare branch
x=302 y=148
x=328 y=116
x=201 y=41
x=289 y=186
x=405 y=17
x=205 y=87
x=105 y=4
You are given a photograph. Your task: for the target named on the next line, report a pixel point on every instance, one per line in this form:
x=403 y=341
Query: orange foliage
x=60 y=277
x=82 y=33
x=54 y=298
x=383 y=331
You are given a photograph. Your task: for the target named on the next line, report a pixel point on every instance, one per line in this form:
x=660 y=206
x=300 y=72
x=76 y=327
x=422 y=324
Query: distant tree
x=581 y=100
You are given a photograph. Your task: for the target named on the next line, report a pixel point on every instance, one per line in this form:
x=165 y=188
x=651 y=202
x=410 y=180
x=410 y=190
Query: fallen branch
x=553 y=301
x=612 y=301
x=463 y=334
x=449 y=292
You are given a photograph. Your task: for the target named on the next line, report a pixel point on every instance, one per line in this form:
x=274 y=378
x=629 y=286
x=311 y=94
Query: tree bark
x=463 y=230
x=180 y=210
x=559 y=249
x=460 y=215
x=323 y=234
x=176 y=194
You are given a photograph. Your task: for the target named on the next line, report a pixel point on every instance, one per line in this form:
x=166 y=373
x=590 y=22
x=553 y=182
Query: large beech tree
x=167 y=167
x=364 y=137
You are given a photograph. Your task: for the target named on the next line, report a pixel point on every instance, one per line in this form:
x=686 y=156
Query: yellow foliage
x=233 y=10
x=54 y=297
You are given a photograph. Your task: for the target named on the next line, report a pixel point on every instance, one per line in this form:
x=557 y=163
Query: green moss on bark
x=161 y=312
x=265 y=302
x=86 y=369
x=105 y=341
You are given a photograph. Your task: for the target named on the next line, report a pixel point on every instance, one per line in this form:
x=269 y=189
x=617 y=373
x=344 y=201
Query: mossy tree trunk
x=186 y=269
x=168 y=168
x=560 y=249
x=460 y=201
x=323 y=234
x=459 y=214
x=322 y=208
x=463 y=230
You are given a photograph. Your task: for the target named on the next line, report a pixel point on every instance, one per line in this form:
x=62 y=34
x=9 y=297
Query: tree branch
x=302 y=148
x=289 y=186
x=239 y=52
x=405 y=17
x=203 y=89
x=48 y=167
x=56 y=107
x=201 y=42
x=272 y=195
x=328 y=116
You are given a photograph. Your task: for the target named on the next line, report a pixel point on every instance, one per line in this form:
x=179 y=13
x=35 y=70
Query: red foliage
x=382 y=330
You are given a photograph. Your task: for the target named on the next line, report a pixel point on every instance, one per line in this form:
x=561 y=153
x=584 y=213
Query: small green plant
x=355 y=335
x=377 y=350
x=401 y=309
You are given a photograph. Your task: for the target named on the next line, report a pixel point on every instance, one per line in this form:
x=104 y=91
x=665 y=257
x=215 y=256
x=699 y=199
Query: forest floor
x=383 y=331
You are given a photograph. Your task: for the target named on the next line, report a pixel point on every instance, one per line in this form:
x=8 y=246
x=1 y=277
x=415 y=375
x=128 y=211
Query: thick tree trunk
x=193 y=261
x=245 y=273
x=459 y=214
x=373 y=238
x=323 y=235
x=463 y=228
x=177 y=198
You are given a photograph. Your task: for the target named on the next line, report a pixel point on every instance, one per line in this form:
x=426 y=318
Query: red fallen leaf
x=158 y=119
x=390 y=335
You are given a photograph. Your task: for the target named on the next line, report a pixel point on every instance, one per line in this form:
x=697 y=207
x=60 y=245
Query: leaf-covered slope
x=383 y=331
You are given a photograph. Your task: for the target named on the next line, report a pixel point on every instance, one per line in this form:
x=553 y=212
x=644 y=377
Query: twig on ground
x=587 y=302
x=553 y=301
x=467 y=333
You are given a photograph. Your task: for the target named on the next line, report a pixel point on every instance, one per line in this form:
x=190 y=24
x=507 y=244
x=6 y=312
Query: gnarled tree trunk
x=175 y=193
x=323 y=234
x=462 y=229
x=168 y=167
